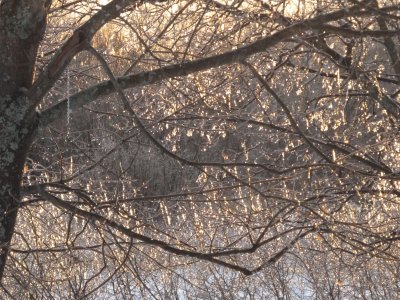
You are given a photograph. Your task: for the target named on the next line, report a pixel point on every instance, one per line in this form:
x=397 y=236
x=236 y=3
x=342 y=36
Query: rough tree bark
x=22 y=25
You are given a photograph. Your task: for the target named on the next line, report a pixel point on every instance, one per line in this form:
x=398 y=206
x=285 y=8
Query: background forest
x=243 y=149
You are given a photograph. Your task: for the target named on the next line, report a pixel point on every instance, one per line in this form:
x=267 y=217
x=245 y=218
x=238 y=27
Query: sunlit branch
x=29 y=190
x=363 y=247
x=183 y=69
x=282 y=252
x=335 y=76
x=358 y=33
x=274 y=219
x=344 y=148
x=84 y=97
x=121 y=264
x=161 y=244
x=79 y=41
x=292 y=121
x=140 y=124
x=64 y=6
x=94 y=248
x=162 y=33
x=248 y=137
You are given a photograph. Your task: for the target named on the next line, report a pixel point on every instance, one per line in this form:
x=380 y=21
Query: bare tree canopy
x=243 y=149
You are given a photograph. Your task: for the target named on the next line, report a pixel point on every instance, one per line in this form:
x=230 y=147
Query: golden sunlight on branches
x=199 y=149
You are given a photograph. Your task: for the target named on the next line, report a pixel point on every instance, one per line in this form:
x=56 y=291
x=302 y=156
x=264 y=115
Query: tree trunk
x=22 y=25
x=15 y=142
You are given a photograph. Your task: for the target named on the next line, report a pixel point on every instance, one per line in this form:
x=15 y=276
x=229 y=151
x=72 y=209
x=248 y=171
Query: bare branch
x=184 y=69
x=79 y=41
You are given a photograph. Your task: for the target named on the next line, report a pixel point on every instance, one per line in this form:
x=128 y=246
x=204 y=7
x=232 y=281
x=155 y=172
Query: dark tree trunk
x=22 y=25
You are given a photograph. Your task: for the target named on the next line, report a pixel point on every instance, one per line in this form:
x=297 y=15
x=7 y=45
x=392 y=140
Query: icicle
x=71 y=164
x=68 y=100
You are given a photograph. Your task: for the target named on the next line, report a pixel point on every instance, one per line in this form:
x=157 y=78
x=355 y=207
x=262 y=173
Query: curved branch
x=79 y=41
x=211 y=257
x=184 y=69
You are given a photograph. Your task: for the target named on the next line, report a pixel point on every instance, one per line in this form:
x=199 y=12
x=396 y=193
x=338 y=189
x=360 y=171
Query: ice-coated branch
x=183 y=69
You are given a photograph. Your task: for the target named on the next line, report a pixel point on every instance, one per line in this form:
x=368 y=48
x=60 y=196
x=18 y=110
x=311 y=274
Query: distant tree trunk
x=22 y=25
